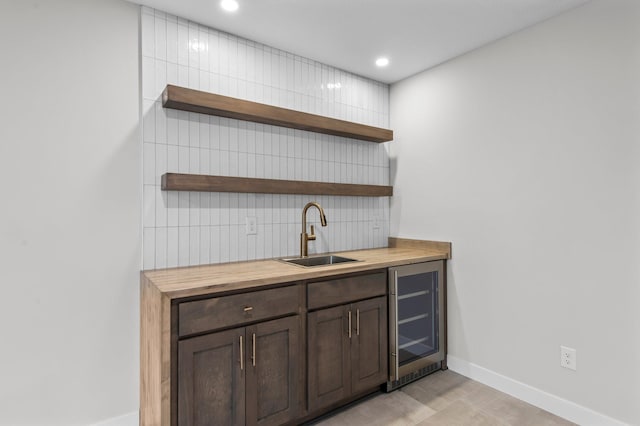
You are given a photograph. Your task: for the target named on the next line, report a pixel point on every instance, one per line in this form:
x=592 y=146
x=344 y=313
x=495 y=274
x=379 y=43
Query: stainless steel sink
x=318 y=260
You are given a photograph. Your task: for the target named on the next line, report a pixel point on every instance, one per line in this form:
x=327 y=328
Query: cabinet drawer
x=344 y=290
x=219 y=312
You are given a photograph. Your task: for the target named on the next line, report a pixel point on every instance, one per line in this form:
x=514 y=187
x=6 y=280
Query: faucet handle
x=312 y=235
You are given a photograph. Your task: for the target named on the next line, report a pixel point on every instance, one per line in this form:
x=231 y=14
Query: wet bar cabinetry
x=248 y=374
x=264 y=342
x=347 y=338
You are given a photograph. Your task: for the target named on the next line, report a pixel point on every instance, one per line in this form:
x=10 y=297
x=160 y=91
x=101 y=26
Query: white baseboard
x=541 y=399
x=131 y=419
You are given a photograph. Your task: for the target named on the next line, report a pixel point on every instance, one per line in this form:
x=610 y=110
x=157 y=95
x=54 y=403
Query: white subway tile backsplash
x=194 y=244
x=149 y=244
x=160 y=37
x=172 y=41
x=173 y=209
x=205 y=161
x=149 y=206
x=182 y=228
x=225 y=248
x=194 y=160
x=183 y=76
x=161 y=206
x=214 y=244
x=182 y=42
x=194 y=209
x=183 y=245
x=149 y=163
x=147 y=38
x=183 y=159
x=183 y=209
x=205 y=245
x=161 y=243
x=173 y=246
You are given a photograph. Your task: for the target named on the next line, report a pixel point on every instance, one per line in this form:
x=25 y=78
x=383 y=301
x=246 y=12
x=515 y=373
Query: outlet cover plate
x=251 y=223
x=376 y=222
x=568 y=358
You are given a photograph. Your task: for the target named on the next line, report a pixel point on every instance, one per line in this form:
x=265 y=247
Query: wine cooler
x=416 y=321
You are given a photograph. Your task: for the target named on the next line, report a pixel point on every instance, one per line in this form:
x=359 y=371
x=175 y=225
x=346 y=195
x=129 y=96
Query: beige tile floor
x=443 y=398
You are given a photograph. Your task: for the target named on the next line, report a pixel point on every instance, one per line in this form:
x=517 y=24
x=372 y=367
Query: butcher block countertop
x=227 y=277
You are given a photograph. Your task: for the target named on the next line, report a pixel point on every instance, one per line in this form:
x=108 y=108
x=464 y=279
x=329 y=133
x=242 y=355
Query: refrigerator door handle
x=393 y=328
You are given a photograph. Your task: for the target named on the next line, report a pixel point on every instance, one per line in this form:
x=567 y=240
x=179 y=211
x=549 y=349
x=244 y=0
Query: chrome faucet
x=304 y=237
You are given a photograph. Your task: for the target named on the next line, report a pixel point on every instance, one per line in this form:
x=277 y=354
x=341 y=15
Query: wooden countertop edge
x=397 y=242
x=228 y=277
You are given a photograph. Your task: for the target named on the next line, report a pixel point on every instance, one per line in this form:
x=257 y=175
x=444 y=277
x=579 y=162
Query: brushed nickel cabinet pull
x=253 y=355
x=349 y=324
x=357 y=322
x=241 y=355
x=248 y=308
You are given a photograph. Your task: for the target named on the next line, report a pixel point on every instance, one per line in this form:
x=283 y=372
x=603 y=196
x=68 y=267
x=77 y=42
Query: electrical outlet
x=251 y=223
x=567 y=357
x=376 y=222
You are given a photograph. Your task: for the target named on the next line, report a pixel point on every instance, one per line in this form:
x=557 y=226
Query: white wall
x=192 y=228
x=70 y=238
x=525 y=154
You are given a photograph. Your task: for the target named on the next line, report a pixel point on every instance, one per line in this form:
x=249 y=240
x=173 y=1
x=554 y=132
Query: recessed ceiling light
x=382 y=62
x=229 y=5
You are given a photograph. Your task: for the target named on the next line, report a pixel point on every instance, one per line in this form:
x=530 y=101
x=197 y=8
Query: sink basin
x=318 y=260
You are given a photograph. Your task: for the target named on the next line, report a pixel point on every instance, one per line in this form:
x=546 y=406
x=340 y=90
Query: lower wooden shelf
x=206 y=183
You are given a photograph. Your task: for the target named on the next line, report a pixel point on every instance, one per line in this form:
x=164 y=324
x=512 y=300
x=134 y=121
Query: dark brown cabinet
x=329 y=357
x=347 y=344
x=272 y=384
x=246 y=359
x=211 y=388
x=248 y=374
x=369 y=349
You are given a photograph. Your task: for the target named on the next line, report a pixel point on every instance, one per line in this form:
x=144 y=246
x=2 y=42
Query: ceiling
x=351 y=34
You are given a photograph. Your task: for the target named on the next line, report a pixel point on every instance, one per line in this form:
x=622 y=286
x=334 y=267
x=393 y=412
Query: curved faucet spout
x=304 y=237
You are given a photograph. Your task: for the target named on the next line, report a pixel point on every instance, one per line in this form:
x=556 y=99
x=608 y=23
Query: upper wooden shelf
x=181 y=98
x=206 y=183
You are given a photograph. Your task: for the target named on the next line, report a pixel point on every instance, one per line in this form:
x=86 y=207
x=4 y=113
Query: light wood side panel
x=209 y=183
x=185 y=99
x=155 y=347
x=442 y=246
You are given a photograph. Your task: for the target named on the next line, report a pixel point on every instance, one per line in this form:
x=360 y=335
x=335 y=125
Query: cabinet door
x=328 y=349
x=369 y=343
x=273 y=372
x=211 y=379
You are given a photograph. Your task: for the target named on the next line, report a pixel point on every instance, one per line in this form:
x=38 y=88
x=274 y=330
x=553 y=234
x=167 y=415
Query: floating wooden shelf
x=209 y=103
x=205 y=183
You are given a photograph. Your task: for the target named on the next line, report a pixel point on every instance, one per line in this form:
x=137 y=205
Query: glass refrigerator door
x=417 y=316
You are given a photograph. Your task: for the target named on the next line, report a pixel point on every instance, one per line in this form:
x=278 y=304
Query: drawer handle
x=349 y=324
x=248 y=308
x=253 y=356
x=357 y=322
